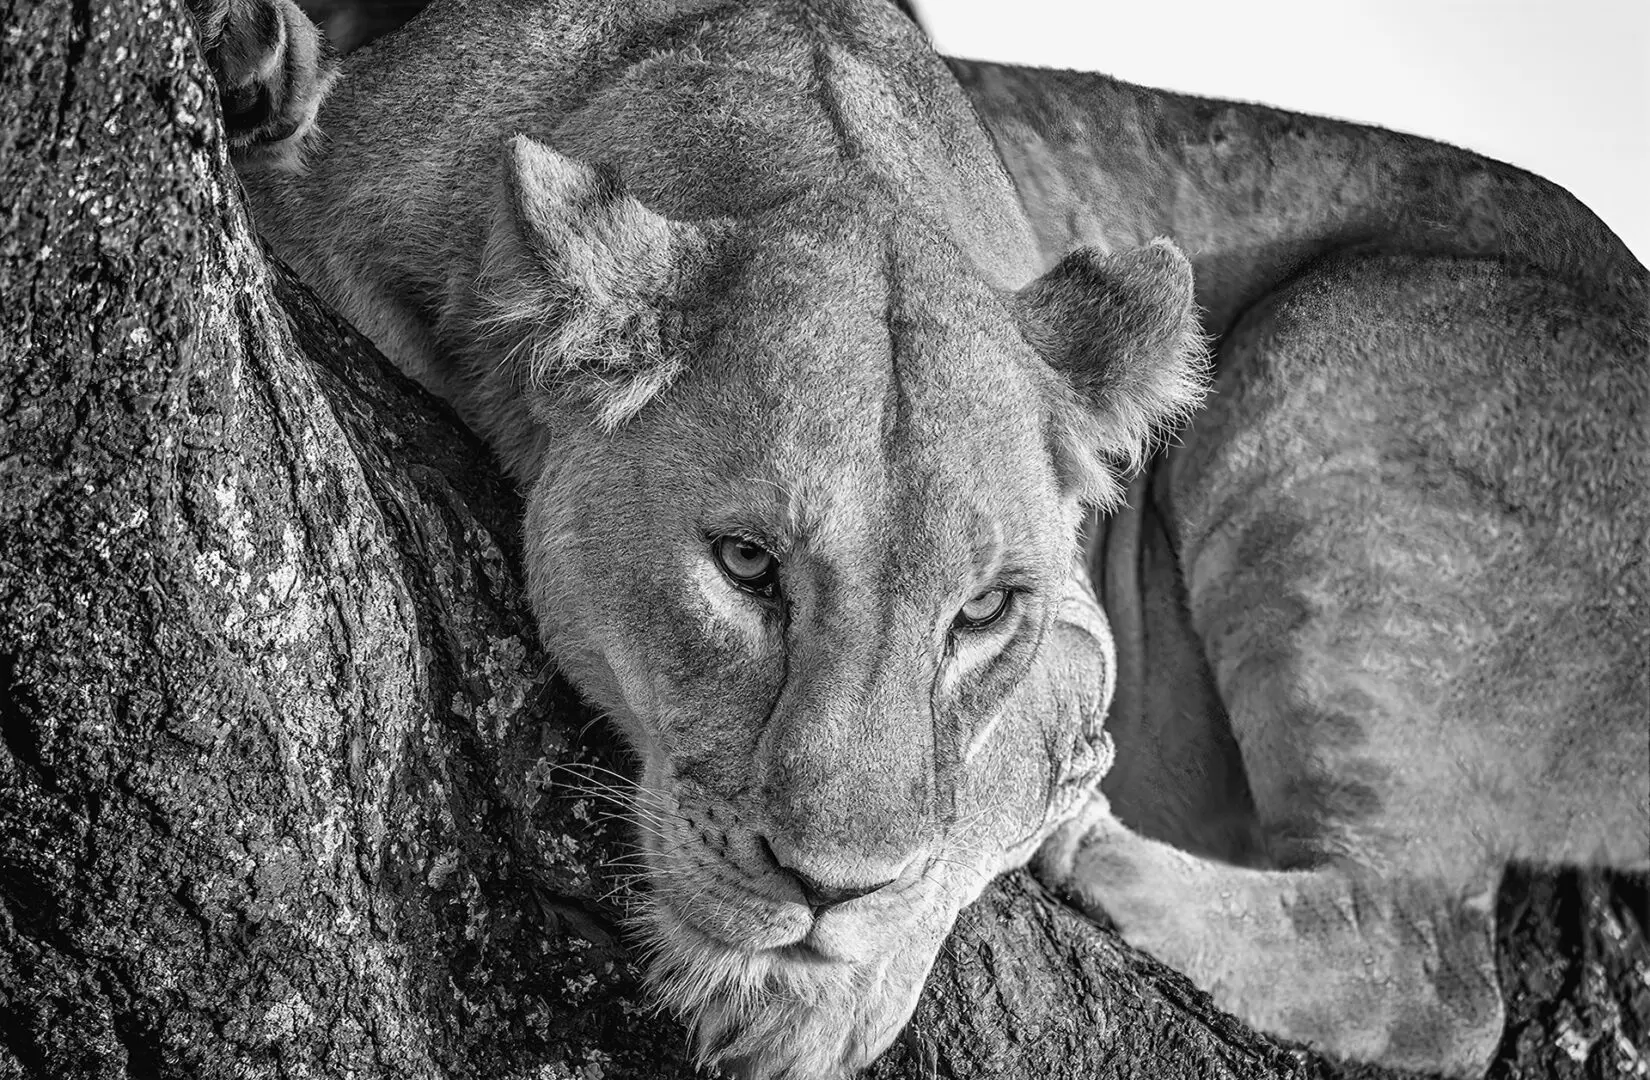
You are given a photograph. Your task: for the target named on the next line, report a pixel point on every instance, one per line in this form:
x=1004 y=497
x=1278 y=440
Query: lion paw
x=273 y=70
x=1398 y=971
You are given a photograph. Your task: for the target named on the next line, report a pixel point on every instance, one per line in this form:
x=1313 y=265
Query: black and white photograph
x=824 y=540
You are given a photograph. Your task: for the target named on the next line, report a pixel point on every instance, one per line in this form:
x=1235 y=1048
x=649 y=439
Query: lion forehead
x=858 y=339
x=906 y=437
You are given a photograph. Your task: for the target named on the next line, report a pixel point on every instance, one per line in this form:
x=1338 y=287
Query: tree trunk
x=287 y=787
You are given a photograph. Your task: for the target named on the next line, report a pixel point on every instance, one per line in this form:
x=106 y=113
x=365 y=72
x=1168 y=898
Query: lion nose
x=821 y=896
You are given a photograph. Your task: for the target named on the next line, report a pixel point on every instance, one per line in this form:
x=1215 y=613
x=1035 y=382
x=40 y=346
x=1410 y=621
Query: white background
x=1559 y=88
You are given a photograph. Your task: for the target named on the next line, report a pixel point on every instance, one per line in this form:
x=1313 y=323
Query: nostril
x=821 y=896
x=818 y=895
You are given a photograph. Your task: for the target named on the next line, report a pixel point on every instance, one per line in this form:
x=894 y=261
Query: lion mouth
x=807 y=951
x=774 y=934
x=817 y=943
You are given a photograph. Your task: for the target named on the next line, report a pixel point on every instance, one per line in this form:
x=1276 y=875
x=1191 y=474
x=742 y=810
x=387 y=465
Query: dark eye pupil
x=747 y=559
x=746 y=563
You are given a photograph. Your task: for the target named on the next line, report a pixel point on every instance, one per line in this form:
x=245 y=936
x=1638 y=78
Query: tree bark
x=279 y=788
x=287 y=787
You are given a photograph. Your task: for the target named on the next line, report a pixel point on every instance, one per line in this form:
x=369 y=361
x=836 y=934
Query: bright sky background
x=1559 y=87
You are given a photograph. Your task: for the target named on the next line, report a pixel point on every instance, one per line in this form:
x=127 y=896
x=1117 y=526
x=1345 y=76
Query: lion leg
x=1403 y=530
x=1363 y=968
x=273 y=69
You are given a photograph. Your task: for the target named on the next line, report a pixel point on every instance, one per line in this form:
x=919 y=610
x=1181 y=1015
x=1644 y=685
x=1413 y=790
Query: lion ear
x=1121 y=332
x=584 y=286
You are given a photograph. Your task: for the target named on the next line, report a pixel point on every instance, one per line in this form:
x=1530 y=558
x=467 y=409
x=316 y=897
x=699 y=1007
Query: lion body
x=1403 y=655
x=1380 y=616
x=1447 y=350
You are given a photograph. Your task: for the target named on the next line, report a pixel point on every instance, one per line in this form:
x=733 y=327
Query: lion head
x=808 y=535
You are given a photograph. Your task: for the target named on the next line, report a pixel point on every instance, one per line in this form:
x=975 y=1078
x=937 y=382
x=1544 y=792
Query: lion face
x=809 y=521
x=805 y=580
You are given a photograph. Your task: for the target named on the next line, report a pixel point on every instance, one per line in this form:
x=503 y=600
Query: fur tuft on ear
x=1121 y=332
x=582 y=287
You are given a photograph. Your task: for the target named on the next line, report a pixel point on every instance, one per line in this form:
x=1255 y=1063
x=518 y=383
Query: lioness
x=825 y=364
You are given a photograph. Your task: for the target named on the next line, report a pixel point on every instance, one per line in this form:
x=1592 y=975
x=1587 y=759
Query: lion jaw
x=769 y=989
x=791 y=1012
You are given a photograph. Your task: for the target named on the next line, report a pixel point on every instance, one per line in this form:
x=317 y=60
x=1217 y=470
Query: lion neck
x=1252 y=194
x=1179 y=776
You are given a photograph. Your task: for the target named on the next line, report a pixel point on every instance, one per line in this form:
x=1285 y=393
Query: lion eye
x=983 y=609
x=746 y=563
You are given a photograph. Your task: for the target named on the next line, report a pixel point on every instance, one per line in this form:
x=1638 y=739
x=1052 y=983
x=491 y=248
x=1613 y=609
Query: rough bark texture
x=287 y=788
x=277 y=746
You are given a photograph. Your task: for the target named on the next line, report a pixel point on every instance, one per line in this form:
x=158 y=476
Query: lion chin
x=790 y=1012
